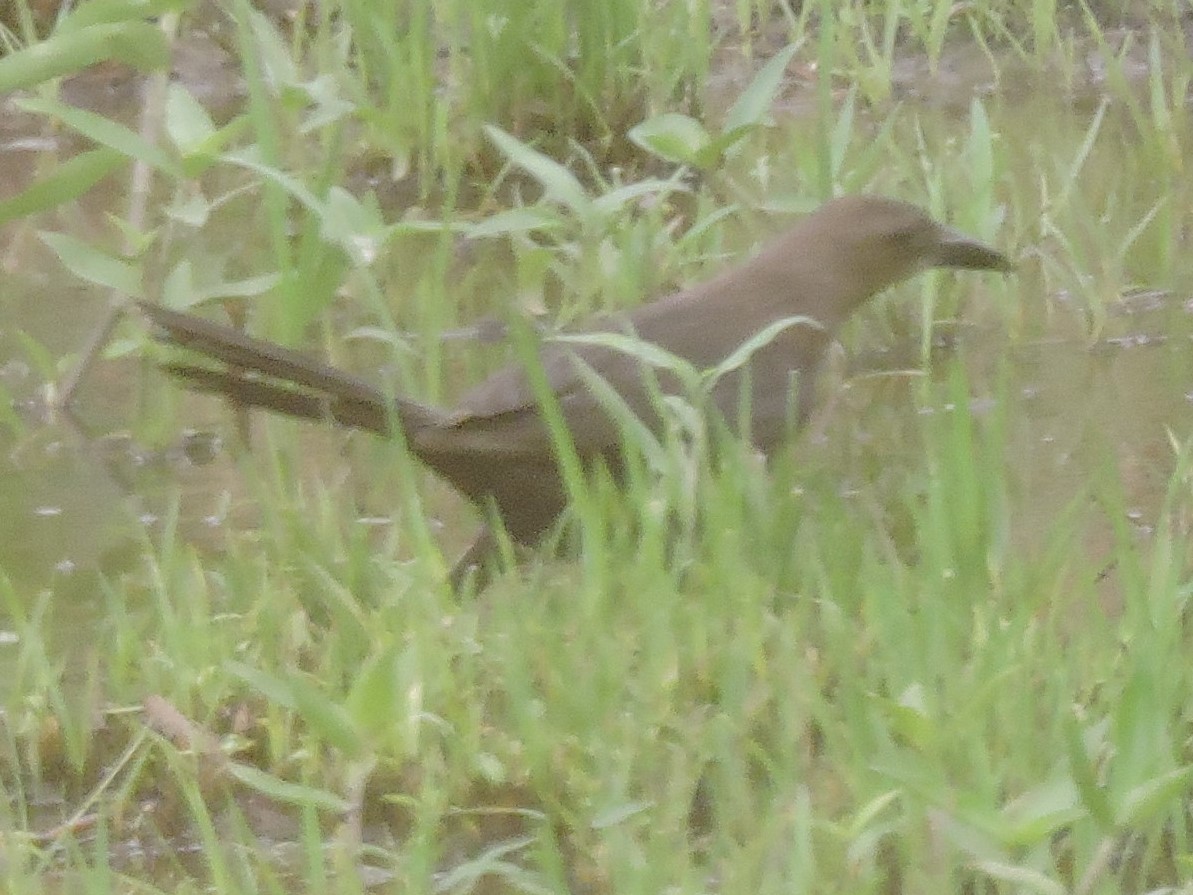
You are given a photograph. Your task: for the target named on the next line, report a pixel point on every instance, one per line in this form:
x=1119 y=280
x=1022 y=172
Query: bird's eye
x=906 y=239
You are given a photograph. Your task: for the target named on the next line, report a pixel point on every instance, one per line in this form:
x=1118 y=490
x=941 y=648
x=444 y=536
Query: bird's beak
x=955 y=249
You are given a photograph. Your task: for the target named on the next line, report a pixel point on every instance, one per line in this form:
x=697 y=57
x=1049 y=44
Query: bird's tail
x=264 y=374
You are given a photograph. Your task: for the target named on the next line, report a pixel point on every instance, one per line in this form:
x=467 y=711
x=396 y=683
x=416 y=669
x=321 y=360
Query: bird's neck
x=804 y=283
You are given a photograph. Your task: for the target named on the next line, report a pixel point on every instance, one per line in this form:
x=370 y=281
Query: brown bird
x=495 y=446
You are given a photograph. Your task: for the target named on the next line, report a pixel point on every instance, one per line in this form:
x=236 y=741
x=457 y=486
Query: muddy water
x=1094 y=375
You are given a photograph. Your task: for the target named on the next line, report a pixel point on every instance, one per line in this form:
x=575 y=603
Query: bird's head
x=861 y=245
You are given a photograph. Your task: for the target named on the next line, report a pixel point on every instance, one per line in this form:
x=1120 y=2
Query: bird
x=496 y=447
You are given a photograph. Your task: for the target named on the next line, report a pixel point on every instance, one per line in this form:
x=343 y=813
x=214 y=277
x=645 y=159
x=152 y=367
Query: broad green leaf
x=869 y=813
x=671 y=136
x=558 y=183
x=273 y=688
x=979 y=153
x=753 y=106
x=527 y=219
x=178 y=289
x=1038 y=813
x=105 y=132
x=284 y=791
x=386 y=700
x=1085 y=777
x=353 y=225
x=95 y=266
x=327 y=719
x=619 y=814
x=190 y=207
x=609 y=202
x=44 y=362
x=133 y=240
x=328 y=105
x=277 y=63
x=181 y=292
x=188 y=125
x=710 y=156
x=911 y=719
x=463 y=877
x=68 y=181
x=249 y=287
x=140 y=45
x=251 y=159
x=1021 y=878
x=373 y=699
x=1157 y=797
x=415 y=226
x=107 y=12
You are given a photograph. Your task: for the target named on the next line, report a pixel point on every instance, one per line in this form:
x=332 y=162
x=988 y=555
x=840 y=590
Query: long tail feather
x=293 y=384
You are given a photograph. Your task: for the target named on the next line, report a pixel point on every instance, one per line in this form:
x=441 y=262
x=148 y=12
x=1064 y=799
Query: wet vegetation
x=940 y=647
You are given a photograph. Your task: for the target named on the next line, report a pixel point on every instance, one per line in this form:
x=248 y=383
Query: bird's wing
x=501 y=415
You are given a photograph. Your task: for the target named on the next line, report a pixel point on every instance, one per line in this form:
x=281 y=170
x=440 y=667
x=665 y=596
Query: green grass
x=897 y=661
